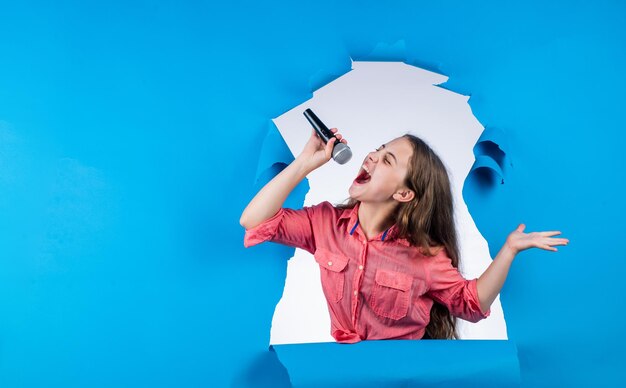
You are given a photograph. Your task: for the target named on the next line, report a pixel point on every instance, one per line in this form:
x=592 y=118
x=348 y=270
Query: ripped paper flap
x=402 y=363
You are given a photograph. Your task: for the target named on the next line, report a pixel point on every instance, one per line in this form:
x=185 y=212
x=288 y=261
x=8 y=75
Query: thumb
x=520 y=228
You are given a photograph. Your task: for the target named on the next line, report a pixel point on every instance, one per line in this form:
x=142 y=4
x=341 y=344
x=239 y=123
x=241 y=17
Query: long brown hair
x=427 y=221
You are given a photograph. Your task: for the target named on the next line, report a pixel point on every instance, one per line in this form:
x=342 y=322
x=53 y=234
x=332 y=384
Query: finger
x=338 y=136
x=334 y=130
x=550 y=233
x=329 y=147
x=553 y=243
x=558 y=241
x=547 y=247
x=520 y=228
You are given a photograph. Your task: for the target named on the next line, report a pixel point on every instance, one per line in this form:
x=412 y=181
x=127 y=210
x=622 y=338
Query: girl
x=389 y=257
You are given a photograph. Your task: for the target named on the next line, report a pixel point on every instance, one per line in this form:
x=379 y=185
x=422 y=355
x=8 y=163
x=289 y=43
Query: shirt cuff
x=264 y=231
x=474 y=288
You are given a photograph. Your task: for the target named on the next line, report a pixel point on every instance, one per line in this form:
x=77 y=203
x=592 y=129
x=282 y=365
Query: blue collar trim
x=354 y=227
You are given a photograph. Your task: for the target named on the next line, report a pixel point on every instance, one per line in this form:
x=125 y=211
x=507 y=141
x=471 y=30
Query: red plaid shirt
x=381 y=288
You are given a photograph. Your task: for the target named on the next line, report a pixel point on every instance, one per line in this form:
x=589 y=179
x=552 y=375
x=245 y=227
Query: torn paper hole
x=374 y=103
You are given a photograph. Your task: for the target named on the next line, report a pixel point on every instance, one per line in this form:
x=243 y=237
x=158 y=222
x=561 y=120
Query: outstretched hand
x=519 y=241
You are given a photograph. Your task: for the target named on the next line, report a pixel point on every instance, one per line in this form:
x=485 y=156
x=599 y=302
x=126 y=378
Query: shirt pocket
x=332 y=273
x=391 y=294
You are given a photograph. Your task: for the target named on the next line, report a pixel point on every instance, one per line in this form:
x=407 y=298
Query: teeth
x=366 y=169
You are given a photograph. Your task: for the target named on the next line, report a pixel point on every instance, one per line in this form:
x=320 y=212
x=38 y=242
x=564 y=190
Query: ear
x=404 y=195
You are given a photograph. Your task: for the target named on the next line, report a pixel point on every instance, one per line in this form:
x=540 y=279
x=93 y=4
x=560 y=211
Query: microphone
x=341 y=152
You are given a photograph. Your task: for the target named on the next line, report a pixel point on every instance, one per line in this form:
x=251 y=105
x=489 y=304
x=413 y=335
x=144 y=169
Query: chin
x=353 y=192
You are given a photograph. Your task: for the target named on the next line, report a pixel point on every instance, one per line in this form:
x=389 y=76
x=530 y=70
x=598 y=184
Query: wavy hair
x=427 y=221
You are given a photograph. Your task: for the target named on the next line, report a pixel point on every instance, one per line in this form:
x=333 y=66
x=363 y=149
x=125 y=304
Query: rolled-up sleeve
x=448 y=287
x=288 y=226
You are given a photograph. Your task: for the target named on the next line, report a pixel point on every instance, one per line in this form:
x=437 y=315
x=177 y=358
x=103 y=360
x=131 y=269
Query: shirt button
x=355 y=292
x=361 y=267
x=330 y=263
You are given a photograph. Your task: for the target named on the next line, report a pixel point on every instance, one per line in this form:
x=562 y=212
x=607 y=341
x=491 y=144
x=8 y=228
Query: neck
x=374 y=218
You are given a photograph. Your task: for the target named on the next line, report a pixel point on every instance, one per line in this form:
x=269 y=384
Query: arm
x=270 y=199
x=448 y=287
x=491 y=281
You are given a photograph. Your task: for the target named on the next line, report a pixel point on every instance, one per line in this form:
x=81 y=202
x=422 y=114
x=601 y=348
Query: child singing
x=389 y=257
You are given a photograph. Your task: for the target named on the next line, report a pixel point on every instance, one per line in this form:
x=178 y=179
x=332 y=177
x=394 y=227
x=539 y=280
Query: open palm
x=519 y=241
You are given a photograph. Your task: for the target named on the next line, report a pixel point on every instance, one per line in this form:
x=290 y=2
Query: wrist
x=302 y=167
x=508 y=252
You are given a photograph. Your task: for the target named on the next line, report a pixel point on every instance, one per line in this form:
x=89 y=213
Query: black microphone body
x=341 y=152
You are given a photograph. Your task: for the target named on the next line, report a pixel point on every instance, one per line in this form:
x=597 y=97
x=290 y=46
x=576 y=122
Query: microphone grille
x=342 y=153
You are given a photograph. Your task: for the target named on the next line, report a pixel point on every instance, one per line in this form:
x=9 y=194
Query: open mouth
x=363 y=177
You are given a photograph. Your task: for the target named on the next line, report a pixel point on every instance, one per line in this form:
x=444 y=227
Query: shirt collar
x=352 y=216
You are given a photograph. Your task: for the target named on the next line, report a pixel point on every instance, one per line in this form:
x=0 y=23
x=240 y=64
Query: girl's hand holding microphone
x=323 y=144
x=316 y=153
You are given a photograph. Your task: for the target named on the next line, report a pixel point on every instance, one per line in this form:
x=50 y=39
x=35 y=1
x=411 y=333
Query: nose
x=373 y=156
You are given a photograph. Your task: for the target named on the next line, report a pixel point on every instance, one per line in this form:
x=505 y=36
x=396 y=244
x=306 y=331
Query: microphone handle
x=322 y=130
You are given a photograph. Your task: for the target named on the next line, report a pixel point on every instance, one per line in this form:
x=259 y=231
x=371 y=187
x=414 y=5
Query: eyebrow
x=394 y=156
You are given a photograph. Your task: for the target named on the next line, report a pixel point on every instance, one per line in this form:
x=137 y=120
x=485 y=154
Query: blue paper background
x=129 y=140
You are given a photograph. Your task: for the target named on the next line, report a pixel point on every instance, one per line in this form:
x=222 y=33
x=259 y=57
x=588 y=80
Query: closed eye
x=385 y=158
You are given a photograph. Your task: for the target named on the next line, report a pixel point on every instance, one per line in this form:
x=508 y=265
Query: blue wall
x=129 y=141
